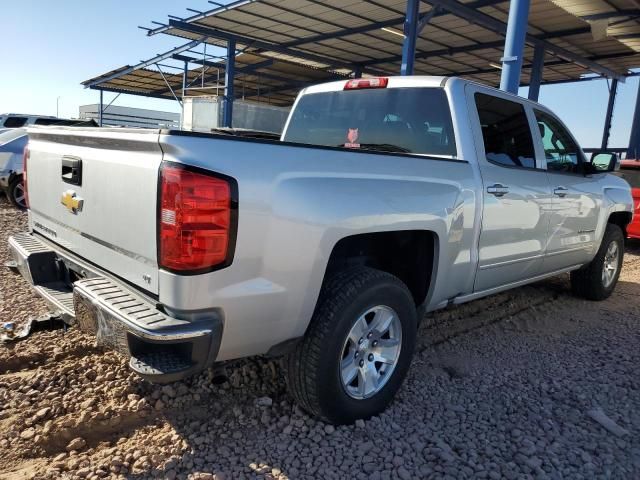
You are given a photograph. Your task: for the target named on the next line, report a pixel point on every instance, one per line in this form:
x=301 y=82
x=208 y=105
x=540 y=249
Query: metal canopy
x=456 y=38
x=271 y=81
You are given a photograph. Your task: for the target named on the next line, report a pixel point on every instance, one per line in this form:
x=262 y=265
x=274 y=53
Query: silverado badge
x=71 y=201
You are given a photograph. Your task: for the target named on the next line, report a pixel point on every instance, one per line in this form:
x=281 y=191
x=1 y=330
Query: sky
x=59 y=44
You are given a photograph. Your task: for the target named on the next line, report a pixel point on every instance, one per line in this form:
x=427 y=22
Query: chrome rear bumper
x=162 y=348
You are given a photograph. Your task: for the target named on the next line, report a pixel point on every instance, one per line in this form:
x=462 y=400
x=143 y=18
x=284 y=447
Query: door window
x=15 y=122
x=561 y=151
x=505 y=132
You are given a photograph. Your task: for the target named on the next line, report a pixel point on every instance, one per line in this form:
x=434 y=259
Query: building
x=130 y=117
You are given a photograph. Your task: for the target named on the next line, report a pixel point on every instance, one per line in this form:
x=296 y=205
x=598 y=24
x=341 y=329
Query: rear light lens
x=196 y=223
x=360 y=83
x=25 y=158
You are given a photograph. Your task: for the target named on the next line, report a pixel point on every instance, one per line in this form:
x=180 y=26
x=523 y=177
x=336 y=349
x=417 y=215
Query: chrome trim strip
x=110 y=246
x=510 y=262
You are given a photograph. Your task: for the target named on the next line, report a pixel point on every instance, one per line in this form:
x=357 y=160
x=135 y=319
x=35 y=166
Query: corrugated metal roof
x=287 y=44
x=275 y=83
x=340 y=34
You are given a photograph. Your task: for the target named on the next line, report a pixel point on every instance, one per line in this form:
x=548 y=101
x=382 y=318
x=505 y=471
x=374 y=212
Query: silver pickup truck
x=384 y=199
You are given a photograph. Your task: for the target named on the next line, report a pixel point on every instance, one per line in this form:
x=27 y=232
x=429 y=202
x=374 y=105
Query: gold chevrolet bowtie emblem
x=71 y=201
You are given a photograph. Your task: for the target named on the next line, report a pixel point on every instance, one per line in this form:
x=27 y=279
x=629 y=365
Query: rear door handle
x=561 y=191
x=498 y=190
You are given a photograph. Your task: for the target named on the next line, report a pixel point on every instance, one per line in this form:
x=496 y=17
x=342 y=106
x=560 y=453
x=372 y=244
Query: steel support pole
x=634 y=139
x=100 y=109
x=536 y=72
x=514 y=45
x=229 y=74
x=185 y=73
x=613 y=90
x=410 y=35
x=357 y=71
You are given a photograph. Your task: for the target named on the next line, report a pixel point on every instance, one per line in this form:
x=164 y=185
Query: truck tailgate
x=107 y=213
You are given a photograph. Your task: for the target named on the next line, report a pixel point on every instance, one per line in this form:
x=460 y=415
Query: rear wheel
x=17 y=194
x=357 y=349
x=597 y=280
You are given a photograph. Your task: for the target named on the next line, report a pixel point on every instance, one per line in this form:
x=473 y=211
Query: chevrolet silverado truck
x=385 y=198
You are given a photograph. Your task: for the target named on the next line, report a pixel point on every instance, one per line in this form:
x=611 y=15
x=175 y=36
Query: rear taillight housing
x=361 y=83
x=25 y=158
x=197 y=219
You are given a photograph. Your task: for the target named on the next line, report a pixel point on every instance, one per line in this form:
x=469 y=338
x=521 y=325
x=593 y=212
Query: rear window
x=631 y=175
x=410 y=120
x=15 y=122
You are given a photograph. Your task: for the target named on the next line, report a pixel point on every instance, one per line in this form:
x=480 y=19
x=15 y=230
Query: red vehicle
x=630 y=170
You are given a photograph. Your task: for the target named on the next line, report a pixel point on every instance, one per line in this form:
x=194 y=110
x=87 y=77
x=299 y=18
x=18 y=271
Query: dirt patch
x=504 y=387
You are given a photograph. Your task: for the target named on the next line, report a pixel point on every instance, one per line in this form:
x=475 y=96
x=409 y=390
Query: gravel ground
x=532 y=383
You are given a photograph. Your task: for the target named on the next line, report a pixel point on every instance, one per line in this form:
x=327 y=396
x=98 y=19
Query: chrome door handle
x=561 y=191
x=498 y=190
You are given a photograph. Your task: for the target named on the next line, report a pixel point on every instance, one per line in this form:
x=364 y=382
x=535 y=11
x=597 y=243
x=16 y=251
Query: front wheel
x=17 y=194
x=357 y=349
x=597 y=280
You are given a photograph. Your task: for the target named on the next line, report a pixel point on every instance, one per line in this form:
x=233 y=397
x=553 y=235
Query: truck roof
x=394 y=82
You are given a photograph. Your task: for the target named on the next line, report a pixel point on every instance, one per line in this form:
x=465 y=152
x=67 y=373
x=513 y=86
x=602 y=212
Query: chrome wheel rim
x=370 y=352
x=610 y=266
x=19 y=196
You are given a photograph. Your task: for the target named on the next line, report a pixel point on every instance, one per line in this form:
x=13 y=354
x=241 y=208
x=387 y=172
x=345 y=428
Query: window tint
x=505 y=131
x=64 y=122
x=15 y=122
x=413 y=120
x=561 y=151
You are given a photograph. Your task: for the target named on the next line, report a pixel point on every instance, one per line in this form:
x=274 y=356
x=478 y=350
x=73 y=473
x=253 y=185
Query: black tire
x=588 y=281
x=313 y=367
x=15 y=193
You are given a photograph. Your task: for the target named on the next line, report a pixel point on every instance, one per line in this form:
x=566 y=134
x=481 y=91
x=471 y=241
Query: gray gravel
x=528 y=384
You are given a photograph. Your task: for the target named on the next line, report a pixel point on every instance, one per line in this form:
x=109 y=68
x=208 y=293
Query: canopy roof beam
x=496 y=26
x=147 y=63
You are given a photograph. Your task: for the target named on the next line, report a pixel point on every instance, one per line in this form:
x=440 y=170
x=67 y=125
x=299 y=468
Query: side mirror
x=603 y=162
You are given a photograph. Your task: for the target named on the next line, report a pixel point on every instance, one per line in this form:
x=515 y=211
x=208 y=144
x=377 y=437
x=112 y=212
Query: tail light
x=359 y=83
x=197 y=219
x=25 y=158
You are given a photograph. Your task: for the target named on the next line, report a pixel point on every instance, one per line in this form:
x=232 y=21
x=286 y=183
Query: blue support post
x=514 y=45
x=357 y=71
x=411 y=33
x=536 y=72
x=229 y=74
x=613 y=90
x=100 y=111
x=185 y=74
x=633 y=151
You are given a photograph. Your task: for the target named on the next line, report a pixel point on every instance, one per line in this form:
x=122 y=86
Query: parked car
x=12 y=144
x=17 y=120
x=385 y=198
x=630 y=170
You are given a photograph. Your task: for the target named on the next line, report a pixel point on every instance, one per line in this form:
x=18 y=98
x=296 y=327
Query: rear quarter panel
x=295 y=204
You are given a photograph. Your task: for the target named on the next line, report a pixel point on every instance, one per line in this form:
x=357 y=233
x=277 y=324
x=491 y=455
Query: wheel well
x=407 y=254
x=622 y=219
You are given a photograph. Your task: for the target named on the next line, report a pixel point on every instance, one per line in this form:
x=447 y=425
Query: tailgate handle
x=72 y=170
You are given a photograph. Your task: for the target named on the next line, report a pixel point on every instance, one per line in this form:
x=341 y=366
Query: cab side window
x=505 y=131
x=15 y=122
x=561 y=151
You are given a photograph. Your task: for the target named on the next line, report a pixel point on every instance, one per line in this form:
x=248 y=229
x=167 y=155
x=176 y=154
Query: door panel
x=516 y=194
x=576 y=198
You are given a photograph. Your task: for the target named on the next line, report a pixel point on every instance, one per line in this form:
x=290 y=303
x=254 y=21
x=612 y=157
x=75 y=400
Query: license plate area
x=108 y=330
